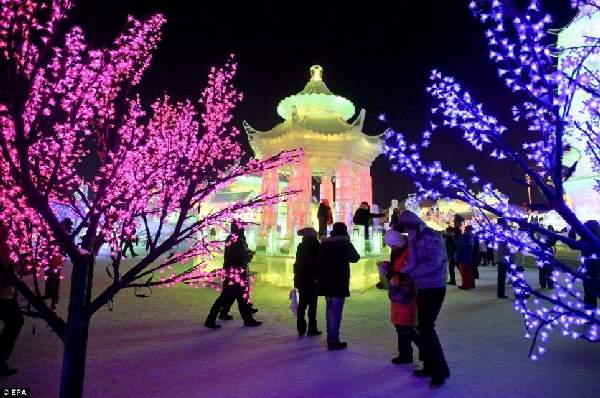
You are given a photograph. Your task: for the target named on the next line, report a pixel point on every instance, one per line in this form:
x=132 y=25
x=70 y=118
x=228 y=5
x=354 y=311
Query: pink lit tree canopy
x=63 y=103
x=526 y=58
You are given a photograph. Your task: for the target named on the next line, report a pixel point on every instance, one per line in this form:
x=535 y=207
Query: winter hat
x=393 y=238
x=307 y=231
x=339 y=229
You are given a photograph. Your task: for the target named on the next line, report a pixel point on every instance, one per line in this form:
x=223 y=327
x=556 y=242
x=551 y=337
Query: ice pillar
x=269 y=187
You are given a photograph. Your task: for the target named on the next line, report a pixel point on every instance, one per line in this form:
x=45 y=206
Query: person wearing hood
x=325 y=217
x=464 y=256
x=235 y=257
x=333 y=262
x=403 y=296
x=427 y=265
x=592 y=270
x=305 y=280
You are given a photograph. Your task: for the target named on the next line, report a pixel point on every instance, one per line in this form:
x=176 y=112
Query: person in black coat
x=363 y=216
x=395 y=217
x=475 y=258
x=325 y=216
x=450 y=238
x=305 y=280
x=236 y=257
x=591 y=287
x=333 y=262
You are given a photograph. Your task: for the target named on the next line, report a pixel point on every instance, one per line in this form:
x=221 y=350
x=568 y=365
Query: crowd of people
x=415 y=277
x=416 y=273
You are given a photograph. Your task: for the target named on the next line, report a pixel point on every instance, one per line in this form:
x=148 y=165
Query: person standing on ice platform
x=305 y=280
x=335 y=255
x=325 y=217
x=236 y=256
x=363 y=216
x=427 y=265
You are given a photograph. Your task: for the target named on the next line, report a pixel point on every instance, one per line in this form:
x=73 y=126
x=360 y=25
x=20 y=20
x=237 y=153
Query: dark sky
x=376 y=54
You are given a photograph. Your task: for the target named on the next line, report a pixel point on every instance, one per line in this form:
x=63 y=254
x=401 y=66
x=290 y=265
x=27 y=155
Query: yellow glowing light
x=316 y=73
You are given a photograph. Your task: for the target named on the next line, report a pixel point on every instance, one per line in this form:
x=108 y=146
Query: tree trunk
x=78 y=321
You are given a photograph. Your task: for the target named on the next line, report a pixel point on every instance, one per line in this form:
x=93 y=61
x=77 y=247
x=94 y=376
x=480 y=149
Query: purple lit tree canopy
x=63 y=103
x=545 y=92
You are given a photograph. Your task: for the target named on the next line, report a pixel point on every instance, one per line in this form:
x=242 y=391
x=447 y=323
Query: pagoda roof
x=318 y=124
x=316 y=98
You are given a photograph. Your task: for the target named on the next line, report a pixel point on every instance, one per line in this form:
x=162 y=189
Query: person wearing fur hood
x=427 y=265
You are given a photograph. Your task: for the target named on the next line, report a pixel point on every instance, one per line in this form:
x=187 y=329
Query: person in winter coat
x=403 y=296
x=464 y=257
x=129 y=244
x=427 y=265
x=394 y=217
x=450 y=236
x=236 y=257
x=10 y=312
x=305 y=280
x=363 y=216
x=325 y=217
x=545 y=271
x=335 y=255
x=503 y=258
x=475 y=259
x=591 y=290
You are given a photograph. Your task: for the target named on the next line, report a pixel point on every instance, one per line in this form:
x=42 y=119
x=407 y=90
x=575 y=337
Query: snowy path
x=157 y=347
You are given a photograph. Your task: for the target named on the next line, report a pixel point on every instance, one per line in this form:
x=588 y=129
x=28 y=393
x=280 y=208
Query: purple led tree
x=63 y=103
x=526 y=59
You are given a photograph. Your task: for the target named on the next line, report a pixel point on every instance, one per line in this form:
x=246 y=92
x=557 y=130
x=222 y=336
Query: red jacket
x=402 y=314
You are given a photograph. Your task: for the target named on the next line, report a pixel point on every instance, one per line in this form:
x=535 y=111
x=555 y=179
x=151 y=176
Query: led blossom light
x=525 y=56
x=65 y=103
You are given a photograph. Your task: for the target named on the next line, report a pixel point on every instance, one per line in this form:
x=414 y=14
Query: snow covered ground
x=157 y=347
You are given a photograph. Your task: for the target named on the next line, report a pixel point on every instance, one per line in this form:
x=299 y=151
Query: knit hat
x=393 y=238
x=339 y=229
x=307 y=231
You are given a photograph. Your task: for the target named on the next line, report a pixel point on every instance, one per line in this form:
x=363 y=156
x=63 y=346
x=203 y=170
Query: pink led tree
x=63 y=103
x=526 y=58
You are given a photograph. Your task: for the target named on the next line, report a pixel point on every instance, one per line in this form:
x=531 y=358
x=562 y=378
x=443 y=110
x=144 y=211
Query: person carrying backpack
x=403 y=296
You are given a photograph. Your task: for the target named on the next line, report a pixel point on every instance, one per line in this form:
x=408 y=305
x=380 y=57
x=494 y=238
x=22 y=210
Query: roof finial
x=316 y=73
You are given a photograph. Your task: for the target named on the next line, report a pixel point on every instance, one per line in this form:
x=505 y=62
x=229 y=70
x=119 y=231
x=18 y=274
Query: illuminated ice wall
x=580 y=187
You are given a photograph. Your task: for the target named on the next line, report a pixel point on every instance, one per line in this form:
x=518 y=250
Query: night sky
x=375 y=54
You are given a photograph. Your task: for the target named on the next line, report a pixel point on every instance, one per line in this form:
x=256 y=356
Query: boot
x=336 y=345
x=225 y=317
x=421 y=373
x=312 y=328
x=301 y=326
x=211 y=325
x=400 y=359
x=437 y=382
x=252 y=323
